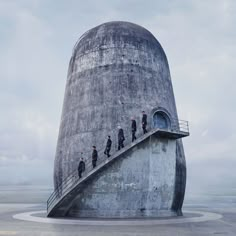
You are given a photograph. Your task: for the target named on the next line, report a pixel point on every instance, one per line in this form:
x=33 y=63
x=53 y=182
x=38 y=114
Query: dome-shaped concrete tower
x=117 y=70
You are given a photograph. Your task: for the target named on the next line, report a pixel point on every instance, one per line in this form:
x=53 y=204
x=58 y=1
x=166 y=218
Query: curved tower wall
x=116 y=70
x=140 y=183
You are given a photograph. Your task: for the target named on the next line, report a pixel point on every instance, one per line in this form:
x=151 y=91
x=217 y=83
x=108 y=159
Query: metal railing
x=179 y=126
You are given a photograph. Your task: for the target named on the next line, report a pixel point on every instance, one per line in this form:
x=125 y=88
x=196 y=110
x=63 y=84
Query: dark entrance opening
x=161 y=120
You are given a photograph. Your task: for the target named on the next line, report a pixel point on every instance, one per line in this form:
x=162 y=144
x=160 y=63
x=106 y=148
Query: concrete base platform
x=25 y=219
x=190 y=216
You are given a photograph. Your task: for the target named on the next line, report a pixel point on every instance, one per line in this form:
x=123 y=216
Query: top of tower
x=115 y=34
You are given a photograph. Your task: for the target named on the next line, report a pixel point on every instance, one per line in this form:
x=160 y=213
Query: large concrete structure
x=116 y=71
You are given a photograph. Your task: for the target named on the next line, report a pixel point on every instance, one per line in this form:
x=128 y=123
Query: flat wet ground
x=208 y=213
x=198 y=220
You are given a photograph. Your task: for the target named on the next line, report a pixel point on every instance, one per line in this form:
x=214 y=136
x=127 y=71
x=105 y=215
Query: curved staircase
x=61 y=200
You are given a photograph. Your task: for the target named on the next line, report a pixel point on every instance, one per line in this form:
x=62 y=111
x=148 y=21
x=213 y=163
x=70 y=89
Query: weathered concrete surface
x=117 y=70
x=139 y=183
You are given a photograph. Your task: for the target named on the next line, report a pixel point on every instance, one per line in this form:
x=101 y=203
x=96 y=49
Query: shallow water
x=23 y=199
x=29 y=194
x=32 y=194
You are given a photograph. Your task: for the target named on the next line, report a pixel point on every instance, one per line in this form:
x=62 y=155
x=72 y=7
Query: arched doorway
x=161 y=120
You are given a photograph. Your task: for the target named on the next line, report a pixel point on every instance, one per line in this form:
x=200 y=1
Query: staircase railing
x=70 y=181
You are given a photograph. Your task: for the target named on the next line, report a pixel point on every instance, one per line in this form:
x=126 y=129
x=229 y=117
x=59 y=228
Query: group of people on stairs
x=121 y=139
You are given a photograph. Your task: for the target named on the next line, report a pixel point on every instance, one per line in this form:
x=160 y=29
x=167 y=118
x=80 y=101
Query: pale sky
x=36 y=41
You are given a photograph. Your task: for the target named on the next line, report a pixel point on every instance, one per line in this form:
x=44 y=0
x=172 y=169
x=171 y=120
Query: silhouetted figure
x=121 y=138
x=94 y=157
x=144 y=122
x=81 y=167
x=133 y=128
x=108 y=147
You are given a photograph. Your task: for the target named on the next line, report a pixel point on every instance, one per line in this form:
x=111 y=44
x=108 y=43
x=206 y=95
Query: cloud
x=29 y=98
